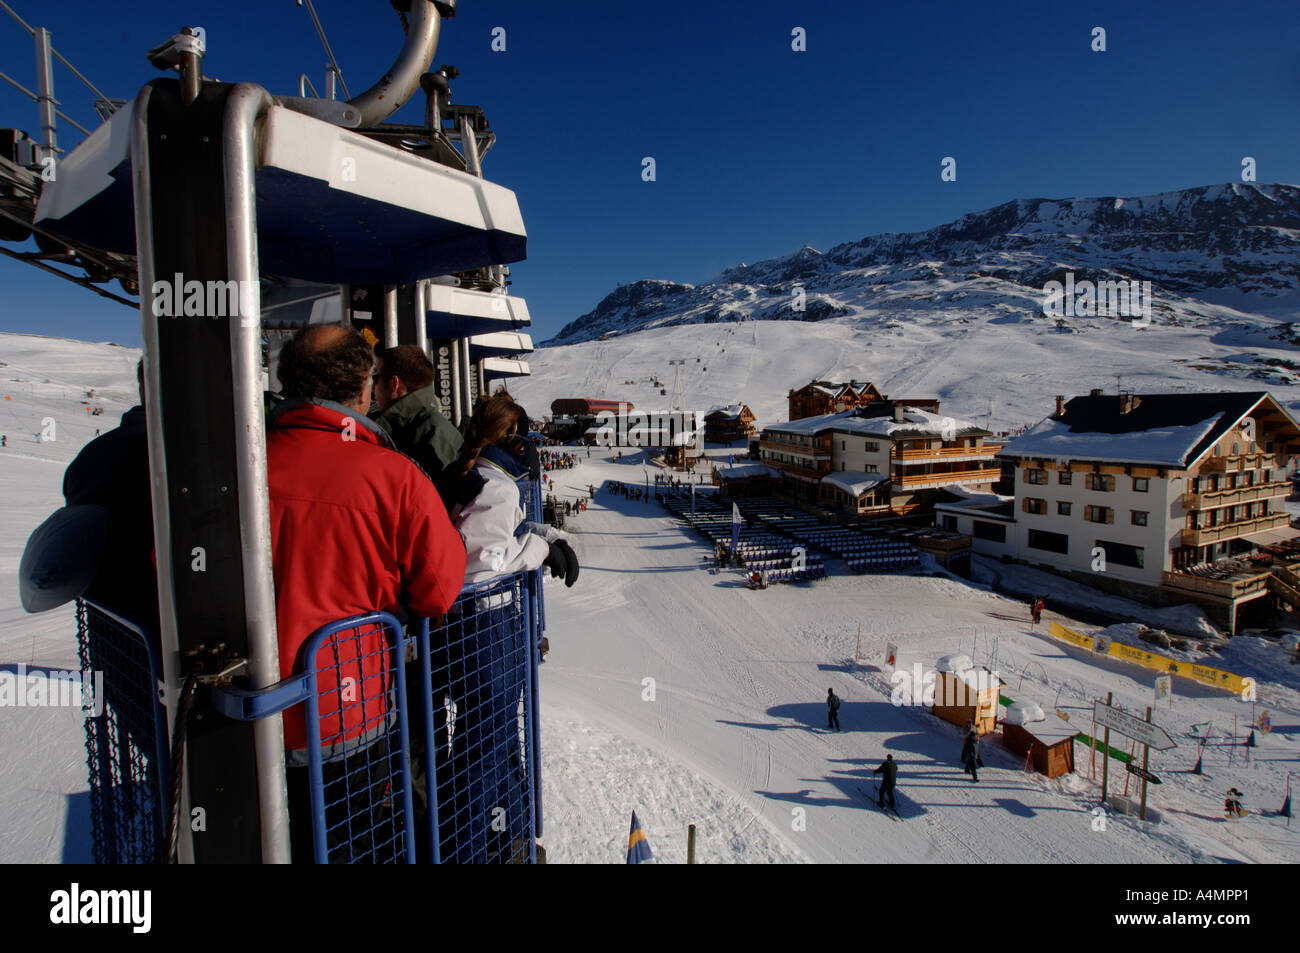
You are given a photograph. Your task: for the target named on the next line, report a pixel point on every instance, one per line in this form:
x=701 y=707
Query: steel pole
x=244 y=106
x=390 y=316
x=162 y=530
x=46 y=103
x=420 y=308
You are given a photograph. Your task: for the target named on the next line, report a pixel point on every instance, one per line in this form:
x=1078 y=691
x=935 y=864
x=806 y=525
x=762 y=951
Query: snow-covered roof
x=1051 y=730
x=915 y=422
x=1054 y=439
x=1164 y=430
x=855 y=484
x=729 y=410
x=747 y=470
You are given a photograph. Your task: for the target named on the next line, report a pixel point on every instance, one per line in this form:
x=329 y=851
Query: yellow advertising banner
x=1069 y=635
x=1200 y=673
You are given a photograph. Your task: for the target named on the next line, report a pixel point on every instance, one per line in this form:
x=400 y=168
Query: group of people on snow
x=634 y=493
x=377 y=503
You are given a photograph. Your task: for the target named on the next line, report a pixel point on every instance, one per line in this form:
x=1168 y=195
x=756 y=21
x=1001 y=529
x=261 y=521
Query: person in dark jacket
x=888 y=782
x=409 y=413
x=832 y=709
x=112 y=471
x=970 y=753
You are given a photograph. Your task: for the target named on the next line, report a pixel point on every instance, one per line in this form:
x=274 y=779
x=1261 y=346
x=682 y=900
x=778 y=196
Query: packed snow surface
x=682 y=694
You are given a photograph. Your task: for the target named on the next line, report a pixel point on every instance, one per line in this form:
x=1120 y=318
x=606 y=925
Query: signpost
x=1146 y=733
x=1130 y=726
x=1142 y=773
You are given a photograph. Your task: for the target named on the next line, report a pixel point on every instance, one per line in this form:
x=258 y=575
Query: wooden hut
x=965 y=692
x=1048 y=743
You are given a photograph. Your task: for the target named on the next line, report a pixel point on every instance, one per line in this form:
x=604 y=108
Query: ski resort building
x=729 y=424
x=817 y=398
x=573 y=419
x=866 y=464
x=1163 y=497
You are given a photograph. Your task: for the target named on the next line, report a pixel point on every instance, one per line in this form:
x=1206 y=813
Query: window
x=1052 y=542
x=1062 y=508
x=842 y=444
x=1064 y=477
x=1141 y=484
x=1102 y=482
x=871 y=446
x=872 y=468
x=1038 y=507
x=1121 y=554
x=950 y=523
x=1037 y=477
x=841 y=466
x=995 y=532
x=1139 y=517
x=1099 y=514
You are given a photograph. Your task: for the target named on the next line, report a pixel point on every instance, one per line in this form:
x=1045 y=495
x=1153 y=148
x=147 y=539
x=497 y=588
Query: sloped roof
x=916 y=422
x=855 y=484
x=1171 y=430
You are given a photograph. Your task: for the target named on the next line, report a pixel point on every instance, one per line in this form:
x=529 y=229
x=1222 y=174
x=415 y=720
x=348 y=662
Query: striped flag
x=638 y=848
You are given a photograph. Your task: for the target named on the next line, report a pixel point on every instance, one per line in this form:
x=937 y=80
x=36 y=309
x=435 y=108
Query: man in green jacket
x=409 y=413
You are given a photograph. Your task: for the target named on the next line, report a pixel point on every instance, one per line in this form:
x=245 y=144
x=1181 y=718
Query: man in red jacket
x=355 y=528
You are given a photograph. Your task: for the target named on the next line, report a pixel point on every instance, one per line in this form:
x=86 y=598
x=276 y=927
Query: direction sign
x=1143 y=732
x=1142 y=773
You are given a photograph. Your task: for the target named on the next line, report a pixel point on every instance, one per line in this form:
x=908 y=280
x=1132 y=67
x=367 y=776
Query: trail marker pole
x=1092 y=738
x=1146 y=754
x=1105 y=754
x=857 y=652
x=690 y=844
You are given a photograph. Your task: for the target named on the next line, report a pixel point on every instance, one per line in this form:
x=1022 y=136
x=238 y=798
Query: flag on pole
x=891 y=655
x=638 y=848
x=735 y=527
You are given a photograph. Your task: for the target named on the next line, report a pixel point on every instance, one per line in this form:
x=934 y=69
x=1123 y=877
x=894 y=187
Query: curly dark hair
x=325 y=362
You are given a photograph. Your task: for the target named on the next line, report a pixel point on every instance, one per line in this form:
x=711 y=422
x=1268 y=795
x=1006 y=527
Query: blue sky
x=759 y=149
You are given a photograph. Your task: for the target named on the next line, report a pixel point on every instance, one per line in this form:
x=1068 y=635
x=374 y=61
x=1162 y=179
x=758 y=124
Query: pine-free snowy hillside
x=957 y=312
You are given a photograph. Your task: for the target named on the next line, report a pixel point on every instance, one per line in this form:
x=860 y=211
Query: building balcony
x=945 y=454
x=801 y=449
x=1227 y=586
x=920 y=481
x=1233 y=496
x=1239 y=461
x=1208 y=535
x=806 y=473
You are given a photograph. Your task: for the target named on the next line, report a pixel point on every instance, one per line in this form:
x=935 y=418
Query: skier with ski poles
x=887 y=783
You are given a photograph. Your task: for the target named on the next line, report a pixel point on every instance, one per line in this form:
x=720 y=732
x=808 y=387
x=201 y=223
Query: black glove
x=563 y=562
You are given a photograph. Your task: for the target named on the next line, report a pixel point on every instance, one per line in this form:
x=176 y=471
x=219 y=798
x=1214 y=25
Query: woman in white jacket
x=485 y=652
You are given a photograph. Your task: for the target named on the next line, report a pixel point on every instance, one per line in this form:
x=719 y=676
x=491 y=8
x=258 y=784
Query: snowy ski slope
x=734 y=739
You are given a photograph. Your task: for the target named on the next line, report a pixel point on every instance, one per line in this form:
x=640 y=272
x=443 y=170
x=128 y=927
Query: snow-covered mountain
x=957 y=312
x=1222 y=244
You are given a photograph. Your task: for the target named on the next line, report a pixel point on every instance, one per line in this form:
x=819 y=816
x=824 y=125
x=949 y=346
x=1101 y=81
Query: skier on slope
x=1232 y=806
x=832 y=710
x=970 y=751
x=888 y=782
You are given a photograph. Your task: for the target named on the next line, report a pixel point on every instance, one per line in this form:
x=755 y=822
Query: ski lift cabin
x=297 y=210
